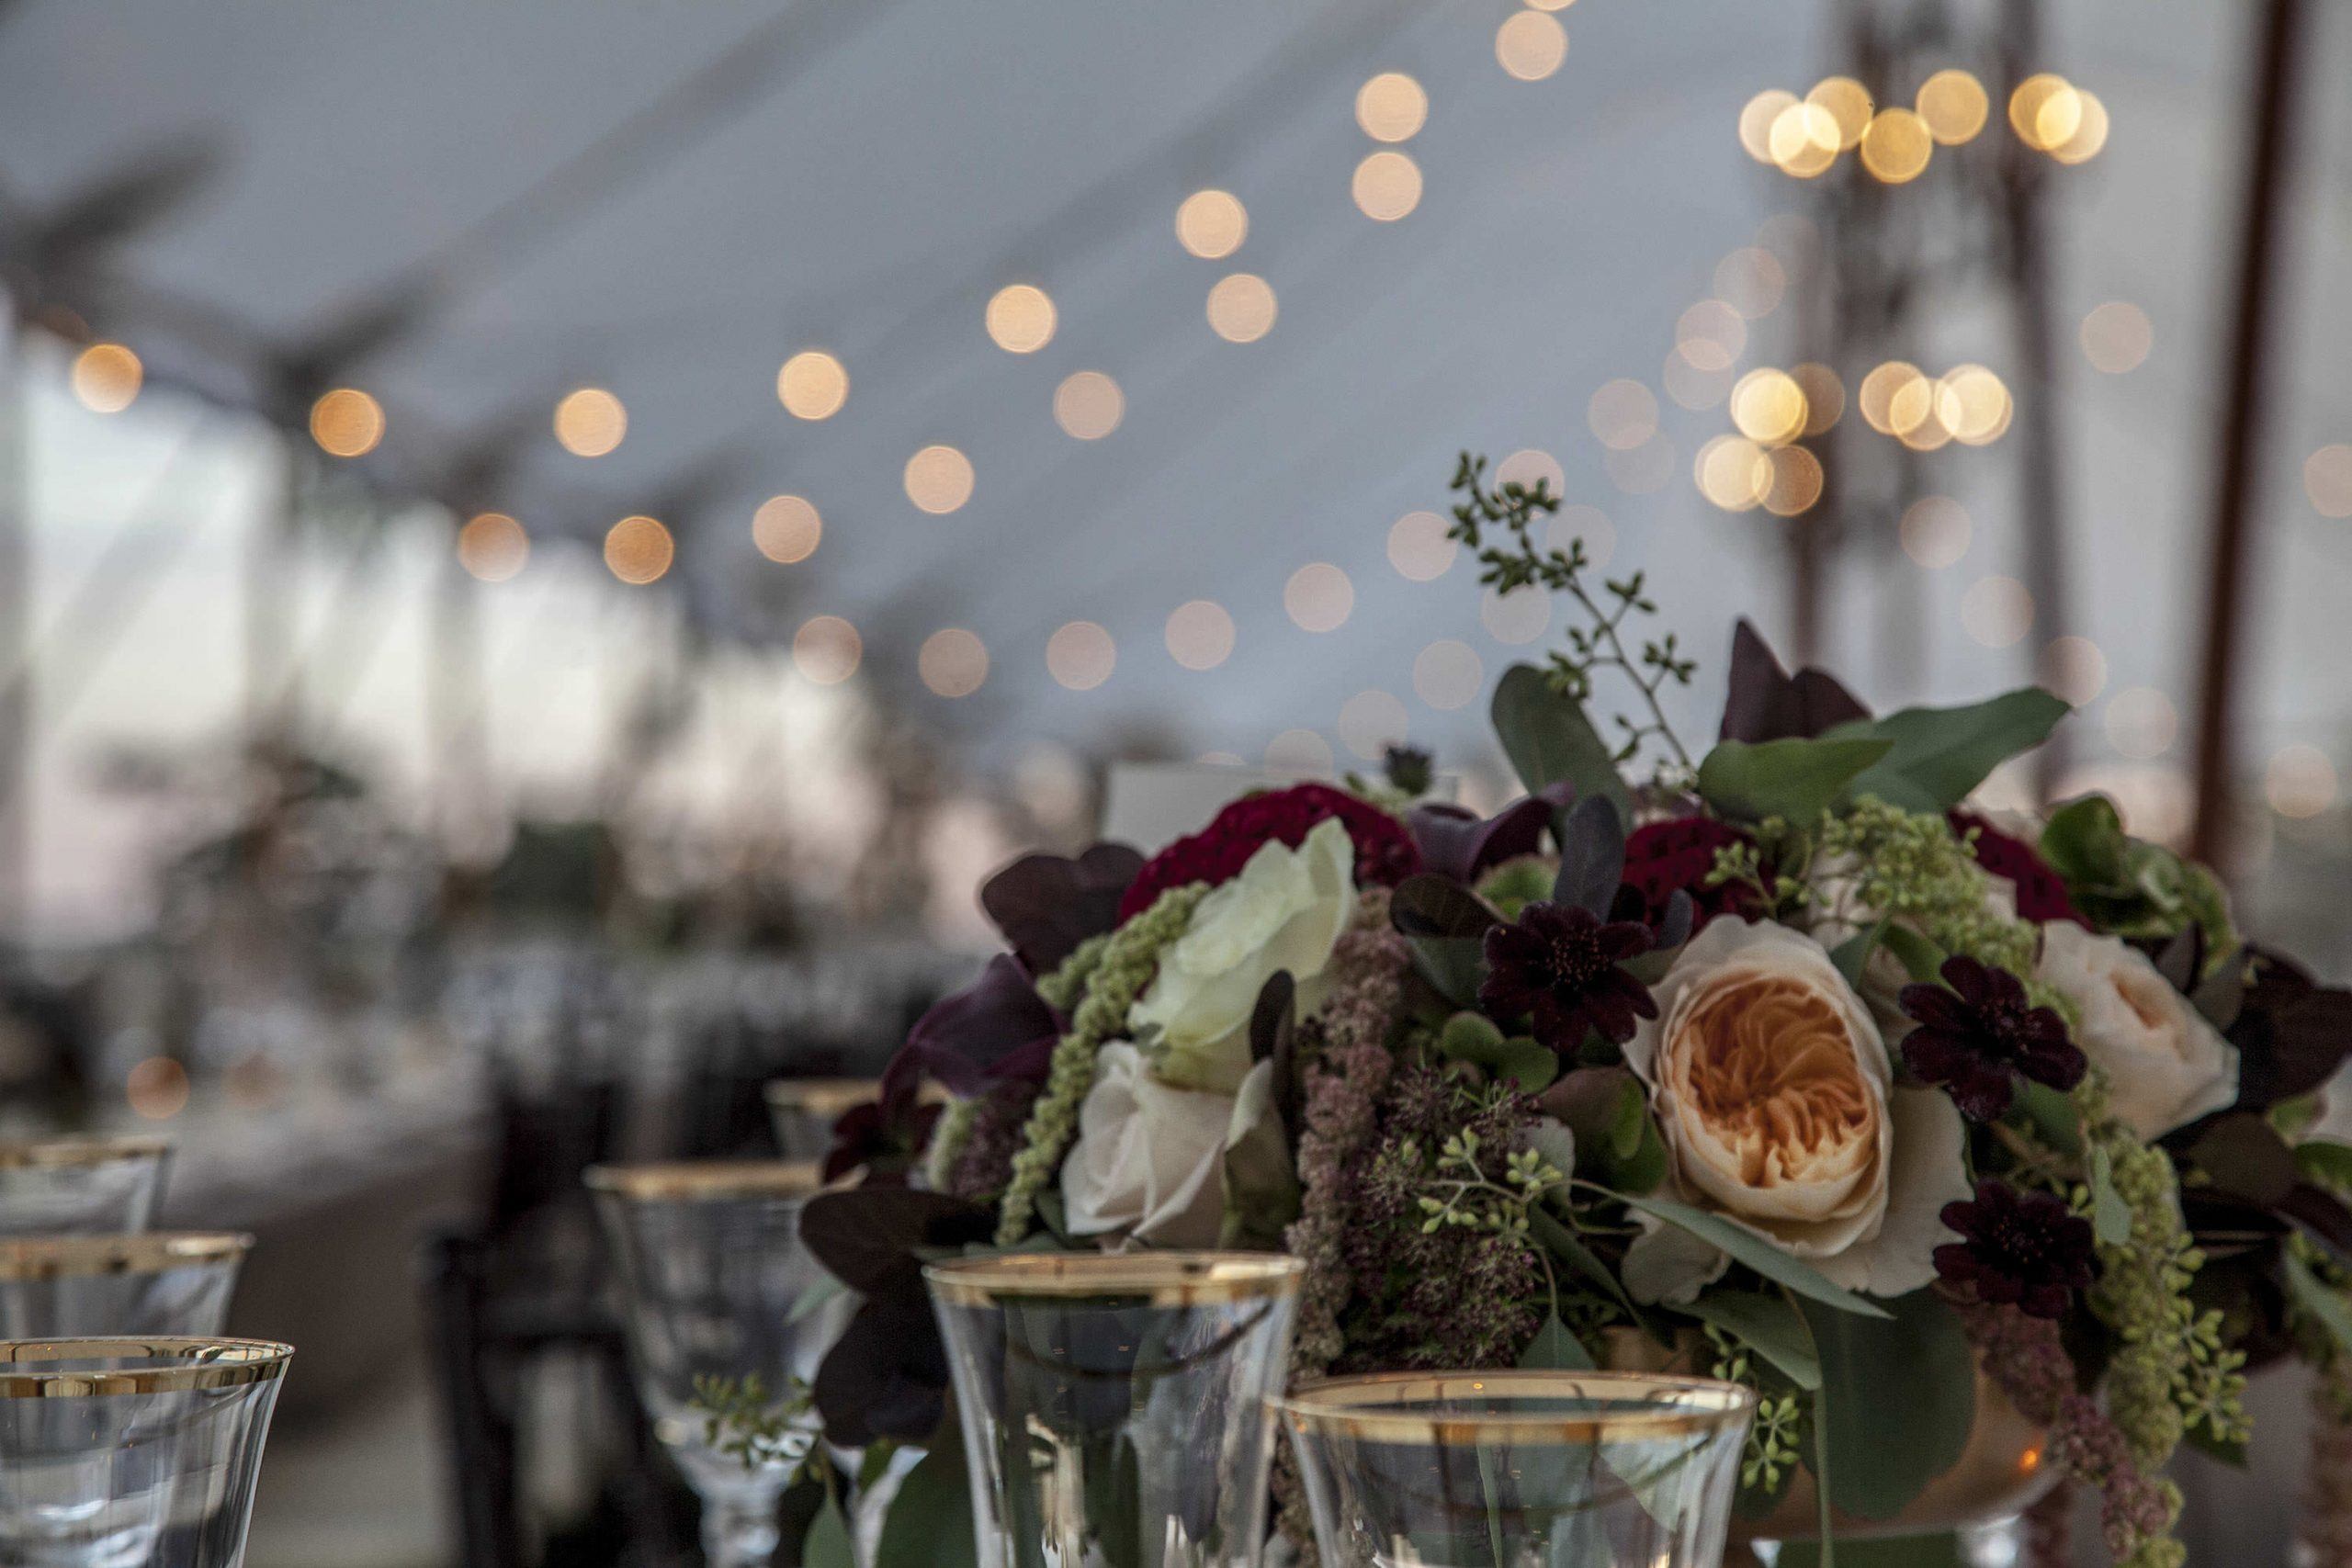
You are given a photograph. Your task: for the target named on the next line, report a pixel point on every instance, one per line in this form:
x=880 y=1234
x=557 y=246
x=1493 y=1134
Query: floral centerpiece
x=1782 y=1062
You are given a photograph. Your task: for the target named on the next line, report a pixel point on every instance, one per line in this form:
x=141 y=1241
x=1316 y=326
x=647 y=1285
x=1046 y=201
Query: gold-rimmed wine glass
x=1519 y=1468
x=161 y=1282
x=81 y=1186
x=1113 y=1406
x=126 y=1452
x=718 y=1292
x=803 y=1112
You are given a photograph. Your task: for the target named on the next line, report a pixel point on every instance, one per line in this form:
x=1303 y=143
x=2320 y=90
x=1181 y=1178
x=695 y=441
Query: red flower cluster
x=2040 y=892
x=1385 y=852
x=1664 y=857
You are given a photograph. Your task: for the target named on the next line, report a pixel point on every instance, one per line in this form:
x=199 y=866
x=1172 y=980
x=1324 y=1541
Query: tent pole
x=2237 y=484
x=16 y=628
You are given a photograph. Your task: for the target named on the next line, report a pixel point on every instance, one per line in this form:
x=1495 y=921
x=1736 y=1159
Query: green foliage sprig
x=1776 y=1439
x=1513 y=509
x=742 y=1421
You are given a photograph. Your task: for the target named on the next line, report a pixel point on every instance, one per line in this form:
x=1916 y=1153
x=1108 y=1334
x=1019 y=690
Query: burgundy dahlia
x=1559 y=968
x=1978 y=1035
x=2023 y=1249
x=1665 y=858
x=1385 y=852
x=2040 y=892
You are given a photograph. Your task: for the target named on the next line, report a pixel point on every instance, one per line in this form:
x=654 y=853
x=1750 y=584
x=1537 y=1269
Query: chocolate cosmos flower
x=1978 y=1035
x=2021 y=1249
x=1557 y=968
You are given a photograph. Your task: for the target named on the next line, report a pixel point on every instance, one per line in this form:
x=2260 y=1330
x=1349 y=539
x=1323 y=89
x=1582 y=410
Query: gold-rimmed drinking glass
x=162 y=1282
x=803 y=1112
x=714 y=1284
x=132 y=1452
x=1519 y=1468
x=81 y=1186
x=1113 y=1407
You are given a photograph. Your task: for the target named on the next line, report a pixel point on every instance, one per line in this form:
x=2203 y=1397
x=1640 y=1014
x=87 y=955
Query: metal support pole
x=15 y=638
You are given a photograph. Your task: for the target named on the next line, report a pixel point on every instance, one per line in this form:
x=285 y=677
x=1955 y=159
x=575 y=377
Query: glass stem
x=739 y=1528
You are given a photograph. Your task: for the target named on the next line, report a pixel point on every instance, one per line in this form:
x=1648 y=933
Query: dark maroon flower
x=886 y=1136
x=1665 y=858
x=1557 y=968
x=1385 y=852
x=2040 y=892
x=1978 y=1035
x=2023 y=1249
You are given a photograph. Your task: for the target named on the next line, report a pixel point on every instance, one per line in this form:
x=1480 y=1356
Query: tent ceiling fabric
x=669 y=200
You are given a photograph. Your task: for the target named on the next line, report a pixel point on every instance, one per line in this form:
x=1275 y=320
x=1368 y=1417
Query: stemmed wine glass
x=173 y=1284
x=118 y=1453
x=81 y=1186
x=728 y=1315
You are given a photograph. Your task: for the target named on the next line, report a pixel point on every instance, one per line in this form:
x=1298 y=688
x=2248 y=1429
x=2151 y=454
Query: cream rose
x=2166 y=1065
x=1771 y=1087
x=1285 y=911
x=1149 y=1158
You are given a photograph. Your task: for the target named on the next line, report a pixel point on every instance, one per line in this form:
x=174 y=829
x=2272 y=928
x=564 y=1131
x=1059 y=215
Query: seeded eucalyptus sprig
x=742 y=1421
x=1512 y=508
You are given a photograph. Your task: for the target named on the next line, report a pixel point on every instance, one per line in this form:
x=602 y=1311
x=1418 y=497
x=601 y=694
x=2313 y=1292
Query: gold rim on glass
x=150 y=1252
x=830 y=1097
x=1155 y=1278
x=183 y=1365
x=708 y=1180
x=1395 y=1407
x=77 y=1154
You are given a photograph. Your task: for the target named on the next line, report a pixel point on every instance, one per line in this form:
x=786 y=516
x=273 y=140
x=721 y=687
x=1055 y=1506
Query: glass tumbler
x=164 y=1283
x=1114 y=1407
x=81 y=1186
x=1519 y=1468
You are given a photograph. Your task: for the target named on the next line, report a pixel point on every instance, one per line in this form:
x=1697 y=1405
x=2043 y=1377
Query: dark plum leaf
x=1766 y=703
x=1426 y=905
x=2291 y=1033
x=967 y=1033
x=868 y=1236
x=1682 y=914
x=887 y=1376
x=1047 y=905
x=1457 y=843
x=2246 y=1157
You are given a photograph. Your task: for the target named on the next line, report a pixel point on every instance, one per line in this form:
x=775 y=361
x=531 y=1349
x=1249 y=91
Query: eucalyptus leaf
x=1592 y=856
x=827 y=1544
x=2326 y=1162
x=1853 y=955
x=1902 y=1397
x=1921 y=959
x=1454 y=966
x=2050 y=1115
x=1767 y=1325
x=1555 y=1349
x=1938 y=755
x=930 y=1521
x=2323 y=1305
x=1793 y=779
x=1563 y=1244
x=2110 y=1216
x=1549 y=740
x=1745 y=1246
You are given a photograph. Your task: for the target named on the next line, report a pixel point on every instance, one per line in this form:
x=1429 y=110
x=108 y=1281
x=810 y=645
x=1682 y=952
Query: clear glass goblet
x=81 y=1186
x=1114 y=1407
x=1519 y=1468
x=132 y=1453
x=803 y=1112
x=164 y=1283
x=720 y=1295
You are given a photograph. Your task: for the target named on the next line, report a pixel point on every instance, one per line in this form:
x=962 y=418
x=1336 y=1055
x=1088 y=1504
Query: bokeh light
x=1954 y=105
x=2300 y=780
x=1200 y=634
x=493 y=546
x=106 y=377
x=1824 y=396
x=1768 y=407
x=1529 y=466
x=1588 y=526
x=1392 y=107
x=1530 y=45
x=1088 y=405
x=1387 y=186
x=1690 y=386
x=1646 y=470
x=826 y=650
x=1318 y=597
x=2044 y=111
x=1803 y=141
x=1849 y=103
x=2075 y=669
x=156 y=1088
x=1021 y=318
x=590 y=422
x=1419 y=546
x=1242 y=308
x=639 y=551
x=2141 y=722
x=1757 y=119
x=812 y=385
x=1622 y=414
x=1973 y=404
x=2327 y=480
x=346 y=422
x=1081 y=655
x=2117 y=337
x=1447 y=675
x=953 y=661
x=2089 y=136
x=1752 y=281
x=1797 y=482
x=1521 y=615
x=939 y=479
x=1299 y=751
x=1897 y=145
x=787 y=529
x=1211 y=223
x=1710 y=335
x=1936 y=531
x=1883 y=387
x=1734 y=473
x=1371 y=722
x=1996 y=611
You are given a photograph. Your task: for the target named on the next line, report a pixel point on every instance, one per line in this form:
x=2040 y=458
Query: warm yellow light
x=639 y=551
x=1622 y=414
x=2117 y=337
x=1551 y=4
x=1646 y=470
x=1690 y=386
x=1318 y=597
x=1757 y=119
x=1021 y=318
x=590 y=422
x=1447 y=675
x=346 y=422
x=1849 y=103
x=1973 y=404
x=1242 y=308
x=156 y=1088
x=1797 y=484
x=1370 y=723
x=953 y=662
x=1211 y=223
x=1387 y=186
x=1824 y=396
x=1081 y=655
x=939 y=479
x=2045 y=110
x=1530 y=45
x=1734 y=473
x=1420 y=548
x=1881 y=388
x=1768 y=407
x=1954 y=104
x=1199 y=634
x=1530 y=467
x=1921 y=412
x=1805 y=140
x=2090 y=130
x=1710 y=335
x=1392 y=107
x=812 y=385
x=1088 y=405
x=2327 y=480
x=826 y=650
x=1996 y=611
x=493 y=546
x=1897 y=146
x=106 y=377
x=1935 y=532
x=786 y=528
x=2301 y=782
x=1751 y=280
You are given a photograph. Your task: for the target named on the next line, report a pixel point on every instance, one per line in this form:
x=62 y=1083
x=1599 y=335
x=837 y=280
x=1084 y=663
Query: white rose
x=1777 y=1104
x=1285 y=911
x=1147 y=1156
x=2166 y=1063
